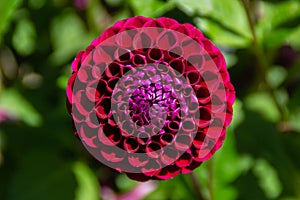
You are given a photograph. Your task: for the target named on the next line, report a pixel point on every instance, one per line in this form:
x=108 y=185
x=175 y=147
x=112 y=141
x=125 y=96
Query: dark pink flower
x=5 y=116
x=150 y=98
x=81 y=4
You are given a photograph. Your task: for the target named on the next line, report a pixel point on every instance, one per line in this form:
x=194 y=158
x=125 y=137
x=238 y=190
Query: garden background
x=41 y=159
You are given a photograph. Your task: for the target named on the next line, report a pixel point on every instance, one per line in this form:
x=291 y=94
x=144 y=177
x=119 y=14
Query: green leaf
x=273 y=17
x=7 y=8
x=225 y=21
x=178 y=186
x=68 y=35
x=24 y=37
x=261 y=139
x=88 y=187
x=232 y=14
x=247 y=187
x=294 y=120
x=293 y=37
x=276 y=75
x=220 y=35
x=62 y=81
x=295 y=99
x=195 y=7
x=268 y=178
x=229 y=165
x=230 y=58
x=262 y=103
x=277 y=37
x=14 y=103
x=42 y=174
x=294 y=108
x=238 y=114
x=124 y=183
x=149 y=8
x=36 y=4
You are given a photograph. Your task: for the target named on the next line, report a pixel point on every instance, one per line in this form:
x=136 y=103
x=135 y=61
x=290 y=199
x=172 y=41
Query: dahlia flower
x=150 y=98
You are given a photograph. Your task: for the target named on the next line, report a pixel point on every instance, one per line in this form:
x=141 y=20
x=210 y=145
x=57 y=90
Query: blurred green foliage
x=41 y=159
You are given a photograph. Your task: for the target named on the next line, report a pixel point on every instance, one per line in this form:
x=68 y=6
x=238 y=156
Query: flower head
x=150 y=98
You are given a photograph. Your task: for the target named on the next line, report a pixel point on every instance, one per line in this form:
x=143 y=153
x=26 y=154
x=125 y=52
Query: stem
x=197 y=186
x=250 y=20
x=262 y=62
x=210 y=182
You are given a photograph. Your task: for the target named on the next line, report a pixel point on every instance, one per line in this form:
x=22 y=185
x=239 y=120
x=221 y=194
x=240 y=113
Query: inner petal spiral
x=151 y=101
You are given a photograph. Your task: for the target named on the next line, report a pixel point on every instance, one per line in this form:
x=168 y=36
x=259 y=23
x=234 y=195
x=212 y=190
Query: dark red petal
x=138 y=177
x=184 y=160
x=168 y=172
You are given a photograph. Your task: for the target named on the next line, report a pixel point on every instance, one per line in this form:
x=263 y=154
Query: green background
x=41 y=159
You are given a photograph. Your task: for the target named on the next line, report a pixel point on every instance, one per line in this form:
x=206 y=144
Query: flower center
x=149 y=102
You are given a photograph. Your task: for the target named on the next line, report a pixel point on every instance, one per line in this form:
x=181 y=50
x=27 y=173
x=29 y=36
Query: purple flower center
x=151 y=101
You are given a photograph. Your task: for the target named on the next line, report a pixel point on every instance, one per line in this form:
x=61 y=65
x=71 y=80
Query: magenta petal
x=168 y=22
x=135 y=22
x=76 y=63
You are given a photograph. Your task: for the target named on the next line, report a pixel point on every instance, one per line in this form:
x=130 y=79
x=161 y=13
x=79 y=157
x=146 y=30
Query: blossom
x=5 y=116
x=150 y=98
